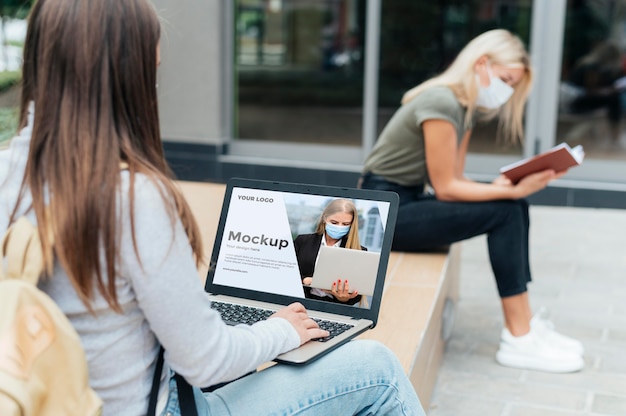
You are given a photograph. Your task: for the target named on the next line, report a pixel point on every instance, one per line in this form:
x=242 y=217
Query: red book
x=558 y=158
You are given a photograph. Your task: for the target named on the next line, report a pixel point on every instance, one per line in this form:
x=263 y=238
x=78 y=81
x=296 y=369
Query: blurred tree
x=11 y=9
x=584 y=29
x=419 y=39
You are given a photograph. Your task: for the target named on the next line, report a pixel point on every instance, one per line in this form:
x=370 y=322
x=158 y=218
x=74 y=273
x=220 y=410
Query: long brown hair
x=90 y=70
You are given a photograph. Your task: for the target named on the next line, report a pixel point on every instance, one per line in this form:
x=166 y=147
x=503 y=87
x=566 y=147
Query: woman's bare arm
x=445 y=161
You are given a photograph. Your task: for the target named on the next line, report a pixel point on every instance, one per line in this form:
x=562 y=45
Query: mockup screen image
x=257 y=252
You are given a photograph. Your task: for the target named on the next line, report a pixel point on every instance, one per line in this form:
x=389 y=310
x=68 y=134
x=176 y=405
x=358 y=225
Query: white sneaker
x=545 y=329
x=532 y=352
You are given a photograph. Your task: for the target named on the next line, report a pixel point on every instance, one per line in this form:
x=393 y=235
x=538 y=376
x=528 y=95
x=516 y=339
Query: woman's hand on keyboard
x=297 y=316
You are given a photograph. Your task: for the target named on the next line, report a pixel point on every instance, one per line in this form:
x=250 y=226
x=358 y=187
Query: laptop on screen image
x=254 y=263
x=358 y=267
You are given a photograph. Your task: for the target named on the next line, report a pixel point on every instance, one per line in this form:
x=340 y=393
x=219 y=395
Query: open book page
x=558 y=158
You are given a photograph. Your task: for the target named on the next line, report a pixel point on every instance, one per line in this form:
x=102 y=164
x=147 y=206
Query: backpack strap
x=156 y=379
x=186 y=399
x=21 y=249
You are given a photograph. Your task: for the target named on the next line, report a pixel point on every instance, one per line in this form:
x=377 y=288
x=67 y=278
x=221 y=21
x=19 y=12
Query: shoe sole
x=511 y=359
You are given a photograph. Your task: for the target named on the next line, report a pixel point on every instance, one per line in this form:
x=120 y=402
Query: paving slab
x=578 y=259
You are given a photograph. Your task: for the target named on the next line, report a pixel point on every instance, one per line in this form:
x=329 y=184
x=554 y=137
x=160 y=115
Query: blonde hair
x=342 y=205
x=501 y=47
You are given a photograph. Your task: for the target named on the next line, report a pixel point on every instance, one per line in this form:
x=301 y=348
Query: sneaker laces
x=541 y=317
x=546 y=328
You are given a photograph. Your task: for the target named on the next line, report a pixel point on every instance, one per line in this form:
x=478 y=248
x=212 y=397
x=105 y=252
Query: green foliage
x=15 y=8
x=8 y=124
x=18 y=43
x=9 y=79
x=419 y=39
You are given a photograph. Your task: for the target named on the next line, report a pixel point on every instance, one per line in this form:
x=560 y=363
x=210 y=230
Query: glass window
x=592 y=92
x=419 y=39
x=299 y=70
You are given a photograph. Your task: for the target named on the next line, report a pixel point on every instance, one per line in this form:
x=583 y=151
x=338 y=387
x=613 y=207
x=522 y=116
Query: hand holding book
x=558 y=158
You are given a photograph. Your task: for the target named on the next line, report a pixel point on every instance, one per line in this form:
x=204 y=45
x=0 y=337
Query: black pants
x=425 y=222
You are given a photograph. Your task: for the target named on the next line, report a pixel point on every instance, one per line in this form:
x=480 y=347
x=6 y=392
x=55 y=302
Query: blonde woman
x=123 y=265
x=338 y=226
x=421 y=156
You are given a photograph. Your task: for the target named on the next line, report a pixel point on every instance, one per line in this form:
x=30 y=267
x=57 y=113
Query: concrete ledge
x=205 y=200
x=417 y=311
x=421 y=290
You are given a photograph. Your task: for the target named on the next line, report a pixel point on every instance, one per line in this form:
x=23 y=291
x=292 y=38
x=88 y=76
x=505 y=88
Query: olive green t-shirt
x=399 y=154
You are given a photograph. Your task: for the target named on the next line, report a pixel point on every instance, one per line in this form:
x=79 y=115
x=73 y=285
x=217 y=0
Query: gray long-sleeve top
x=162 y=300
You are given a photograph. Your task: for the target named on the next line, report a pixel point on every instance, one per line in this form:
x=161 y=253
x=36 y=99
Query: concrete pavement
x=578 y=259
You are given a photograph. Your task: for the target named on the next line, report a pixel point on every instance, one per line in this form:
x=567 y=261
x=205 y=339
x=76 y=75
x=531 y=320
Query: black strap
x=186 y=399
x=156 y=382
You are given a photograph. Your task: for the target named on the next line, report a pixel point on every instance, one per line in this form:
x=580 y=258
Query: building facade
x=298 y=90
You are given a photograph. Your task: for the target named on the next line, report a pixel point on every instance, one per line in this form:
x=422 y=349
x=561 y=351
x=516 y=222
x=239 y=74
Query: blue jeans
x=359 y=378
x=425 y=223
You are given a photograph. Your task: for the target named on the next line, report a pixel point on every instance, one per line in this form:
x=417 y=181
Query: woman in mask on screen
x=338 y=226
x=421 y=156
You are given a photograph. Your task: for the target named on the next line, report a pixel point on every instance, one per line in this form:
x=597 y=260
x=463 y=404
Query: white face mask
x=496 y=94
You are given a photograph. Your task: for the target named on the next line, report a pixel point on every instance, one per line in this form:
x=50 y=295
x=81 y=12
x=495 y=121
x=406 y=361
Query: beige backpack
x=43 y=369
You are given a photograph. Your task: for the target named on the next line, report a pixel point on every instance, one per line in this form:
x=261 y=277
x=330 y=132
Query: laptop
x=254 y=265
x=358 y=267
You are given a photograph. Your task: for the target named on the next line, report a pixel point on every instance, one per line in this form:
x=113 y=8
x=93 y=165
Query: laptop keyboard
x=240 y=314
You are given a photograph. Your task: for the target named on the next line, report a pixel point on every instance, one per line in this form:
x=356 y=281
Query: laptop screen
x=269 y=236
